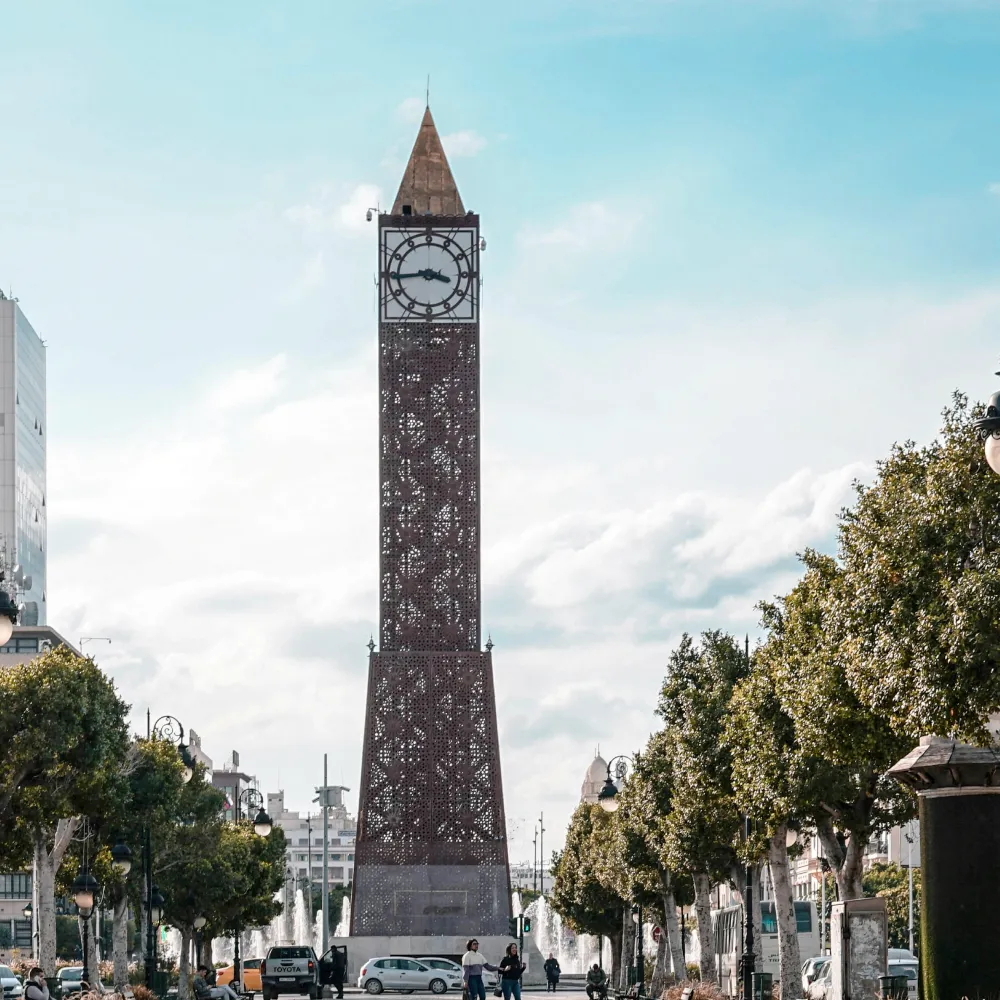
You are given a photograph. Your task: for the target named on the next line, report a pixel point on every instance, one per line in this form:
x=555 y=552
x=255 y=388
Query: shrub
x=702 y=991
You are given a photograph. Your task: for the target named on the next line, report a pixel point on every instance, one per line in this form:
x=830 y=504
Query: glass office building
x=22 y=455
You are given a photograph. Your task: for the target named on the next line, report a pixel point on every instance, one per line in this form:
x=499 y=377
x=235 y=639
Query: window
x=289 y=953
x=303 y=841
x=410 y=965
x=381 y=964
x=768 y=921
x=803 y=918
x=22 y=934
x=15 y=886
x=20 y=644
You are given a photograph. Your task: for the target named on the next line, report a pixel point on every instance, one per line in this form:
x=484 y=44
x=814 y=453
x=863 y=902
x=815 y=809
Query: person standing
x=552 y=972
x=511 y=969
x=36 y=988
x=472 y=971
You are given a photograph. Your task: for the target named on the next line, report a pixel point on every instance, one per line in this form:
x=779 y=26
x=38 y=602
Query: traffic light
x=527 y=924
x=512 y=926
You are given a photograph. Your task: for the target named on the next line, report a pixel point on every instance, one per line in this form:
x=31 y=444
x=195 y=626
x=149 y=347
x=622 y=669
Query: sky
x=735 y=251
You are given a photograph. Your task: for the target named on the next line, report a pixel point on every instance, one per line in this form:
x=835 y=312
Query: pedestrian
x=203 y=991
x=472 y=971
x=552 y=972
x=338 y=968
x=511 y=969
x=36 y=988
x=597 y=982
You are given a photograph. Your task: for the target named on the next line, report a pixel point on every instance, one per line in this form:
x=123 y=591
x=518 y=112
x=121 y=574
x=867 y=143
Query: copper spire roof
x=427 y=186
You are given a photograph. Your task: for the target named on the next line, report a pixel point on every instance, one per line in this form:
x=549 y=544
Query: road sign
x=656 y=934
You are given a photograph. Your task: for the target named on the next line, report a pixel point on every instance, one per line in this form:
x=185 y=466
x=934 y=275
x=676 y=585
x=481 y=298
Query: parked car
x=905 y=967
x=290 y=969
x=490 y=979
x=812 y=969
x=71 y=976
x=12 y=987
x=821 y=988
x=405 y=975
x=251 y=975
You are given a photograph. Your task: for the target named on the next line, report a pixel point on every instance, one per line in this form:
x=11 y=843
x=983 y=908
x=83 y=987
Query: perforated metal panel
x=431 y=850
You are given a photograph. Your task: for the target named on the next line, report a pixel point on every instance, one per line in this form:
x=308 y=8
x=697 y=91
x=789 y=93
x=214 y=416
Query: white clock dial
x=429 y=275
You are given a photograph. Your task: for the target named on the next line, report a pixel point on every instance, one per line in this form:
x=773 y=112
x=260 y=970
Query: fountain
x=575 y=952
x=343 y=928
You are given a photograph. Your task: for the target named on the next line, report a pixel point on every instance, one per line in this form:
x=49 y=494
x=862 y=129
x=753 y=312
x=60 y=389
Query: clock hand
x=399 y=277
x=437 y=276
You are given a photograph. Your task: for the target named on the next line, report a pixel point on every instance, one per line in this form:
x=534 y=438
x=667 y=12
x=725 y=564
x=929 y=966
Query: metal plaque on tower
x=431 y=850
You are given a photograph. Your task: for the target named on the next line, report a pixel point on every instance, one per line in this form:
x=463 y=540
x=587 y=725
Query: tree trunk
x=627 y=946
x=184 y=972
x=615 y=943
x=659 y=977
x=119 y=940
x=844 y=863
x=48 y=860
x=789 y=962
x=672 y=934
x=703 y=910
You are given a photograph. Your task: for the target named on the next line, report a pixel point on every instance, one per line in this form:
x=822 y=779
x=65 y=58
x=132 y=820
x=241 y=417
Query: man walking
x=552 y=972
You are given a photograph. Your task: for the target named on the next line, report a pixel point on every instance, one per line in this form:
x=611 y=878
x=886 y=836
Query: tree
x=704 y=823
x=579 y=895
x=774 y=785
x=66 y=736
x=891 y=882
x=920 y=553
x=640 y=832
x=841 y=747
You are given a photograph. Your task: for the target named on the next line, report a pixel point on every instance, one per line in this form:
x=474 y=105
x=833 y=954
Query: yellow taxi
x=251 y=975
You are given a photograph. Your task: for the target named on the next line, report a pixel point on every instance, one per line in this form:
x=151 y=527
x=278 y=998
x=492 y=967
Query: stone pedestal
x=958 y=787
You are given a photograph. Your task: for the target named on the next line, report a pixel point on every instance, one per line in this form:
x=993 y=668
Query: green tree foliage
x=704 y=819
x=63 y=730
x=920 y=552
x=891 y=882
x=838 y=749
x=579 y=894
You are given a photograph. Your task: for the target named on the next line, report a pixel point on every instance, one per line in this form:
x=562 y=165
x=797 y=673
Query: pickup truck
x=290 y=969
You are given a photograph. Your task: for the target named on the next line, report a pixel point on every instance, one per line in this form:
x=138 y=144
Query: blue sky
x=735 y=250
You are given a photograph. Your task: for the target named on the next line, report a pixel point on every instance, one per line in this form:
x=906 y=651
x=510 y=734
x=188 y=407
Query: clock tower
x=431 y=850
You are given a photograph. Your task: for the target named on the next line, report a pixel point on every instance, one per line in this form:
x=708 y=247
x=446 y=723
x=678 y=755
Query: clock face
x=429 y=275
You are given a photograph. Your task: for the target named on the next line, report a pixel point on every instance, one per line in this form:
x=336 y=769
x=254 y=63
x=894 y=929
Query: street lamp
x=121 y=857
x=84 y=890
x=8 y=616
x=28 y=911
x=988 y=428
x=262 y=825
x=168 y=728
x=607 y=797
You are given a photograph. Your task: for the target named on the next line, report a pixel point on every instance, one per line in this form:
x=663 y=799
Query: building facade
x=23 y=502
x=304 y=853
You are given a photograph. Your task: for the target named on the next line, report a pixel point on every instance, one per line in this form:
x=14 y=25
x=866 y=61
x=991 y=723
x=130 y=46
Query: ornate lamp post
x=84 y=889
x=251 y=799
x=170 y=729
x=607 y=798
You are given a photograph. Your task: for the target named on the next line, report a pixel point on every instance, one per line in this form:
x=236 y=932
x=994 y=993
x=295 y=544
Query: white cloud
x=465 y=143
x=353 y=213
x=994 y=189
x=410 y=110
x=331 y=208
x=249 y=385
x=586 y=227
x=310 y=277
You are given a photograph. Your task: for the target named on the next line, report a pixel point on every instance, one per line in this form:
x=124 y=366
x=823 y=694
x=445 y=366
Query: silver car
x=404 y=975
x=11 y=984
x=490 y=979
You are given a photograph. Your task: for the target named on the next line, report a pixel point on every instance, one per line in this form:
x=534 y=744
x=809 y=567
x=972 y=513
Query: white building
x=23 y=432
x=594 y=779
x=304 y=854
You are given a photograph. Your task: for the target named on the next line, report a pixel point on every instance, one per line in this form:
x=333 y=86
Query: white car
x=490 y=979
x=812 y=969
x=906 y=967
x=406 y=975
x=11 y=985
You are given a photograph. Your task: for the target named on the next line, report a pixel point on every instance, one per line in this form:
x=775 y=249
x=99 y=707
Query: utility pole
x=326 y=859
x=748 y=956
x=534 y=867
x=909 y=866
x=541 y=850
x=309 y=869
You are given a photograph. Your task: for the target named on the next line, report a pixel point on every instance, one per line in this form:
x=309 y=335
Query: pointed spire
x=427 y=185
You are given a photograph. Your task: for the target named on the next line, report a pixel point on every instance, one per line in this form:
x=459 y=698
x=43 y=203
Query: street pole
x=150 y=940
x=748 y=960
x=534 y=867
x=326 y=860
x=541 y=851
x=684 y=960
x=640 y=968
x=309 y=869
x=822 y=910
x=237 y=958
x=909 y=866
